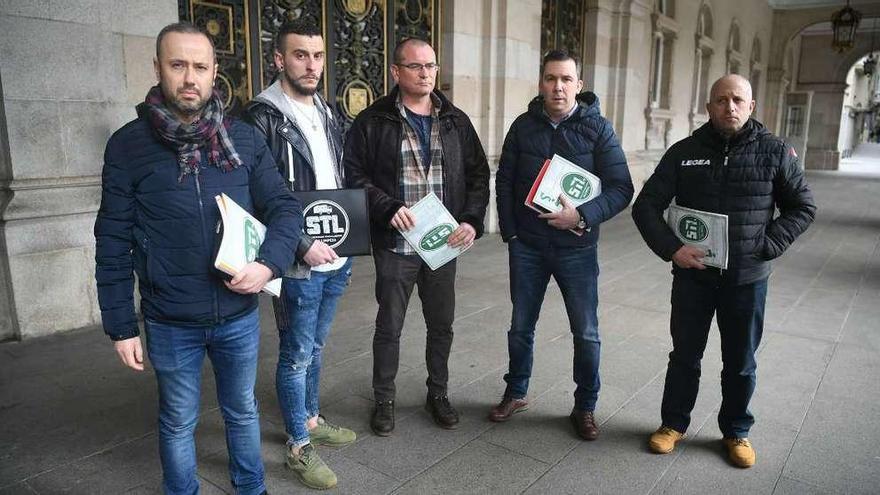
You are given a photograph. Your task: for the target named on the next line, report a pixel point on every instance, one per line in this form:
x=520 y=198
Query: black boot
x=442 y=411
x=382 y=422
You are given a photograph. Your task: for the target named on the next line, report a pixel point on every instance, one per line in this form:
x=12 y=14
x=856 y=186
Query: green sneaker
x=310 y=469
x=329 y=434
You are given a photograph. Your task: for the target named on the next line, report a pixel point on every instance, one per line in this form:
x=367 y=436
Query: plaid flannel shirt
x=415 y=183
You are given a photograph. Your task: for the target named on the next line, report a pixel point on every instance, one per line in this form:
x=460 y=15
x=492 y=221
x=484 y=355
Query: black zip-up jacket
x=586 y=139
x=372 y=161
x=288 y=145
x=748 y=178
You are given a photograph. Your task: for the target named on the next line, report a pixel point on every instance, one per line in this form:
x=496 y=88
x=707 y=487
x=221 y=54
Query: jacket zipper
x=723 y=195
x=196 y=178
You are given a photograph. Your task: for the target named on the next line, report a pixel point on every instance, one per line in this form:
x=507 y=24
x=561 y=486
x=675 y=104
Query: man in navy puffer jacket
x=157 y=219
x=562 y=122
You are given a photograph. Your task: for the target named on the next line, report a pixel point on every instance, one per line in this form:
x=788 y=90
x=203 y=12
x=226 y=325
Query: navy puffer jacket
x=163 y=229
x=585 y=138
x=748 y=178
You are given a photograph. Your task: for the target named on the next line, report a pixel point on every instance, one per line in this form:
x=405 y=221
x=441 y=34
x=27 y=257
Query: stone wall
x=71 y=72
x=490 y=65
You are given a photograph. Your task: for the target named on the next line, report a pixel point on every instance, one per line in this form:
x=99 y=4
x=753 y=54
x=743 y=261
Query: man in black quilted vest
x=733 y=166
x=562 y=121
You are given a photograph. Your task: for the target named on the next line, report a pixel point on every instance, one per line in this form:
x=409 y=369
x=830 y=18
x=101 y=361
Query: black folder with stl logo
x=339 y=218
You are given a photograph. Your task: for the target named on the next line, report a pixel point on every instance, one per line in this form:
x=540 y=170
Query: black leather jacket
x=372 y=161
x=289 y=146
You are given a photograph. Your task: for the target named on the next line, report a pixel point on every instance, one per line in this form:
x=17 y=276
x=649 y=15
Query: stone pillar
x=822 y=152
x=774 y=107
x=617 y=68
x=490 y=65
x=617 y=64
x=72 y=73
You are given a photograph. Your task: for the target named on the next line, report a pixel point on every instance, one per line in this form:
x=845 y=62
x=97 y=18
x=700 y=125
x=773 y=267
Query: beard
x=298 y=86
x=186 y=107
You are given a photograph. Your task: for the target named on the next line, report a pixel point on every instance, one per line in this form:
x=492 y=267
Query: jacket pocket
x=143 y=259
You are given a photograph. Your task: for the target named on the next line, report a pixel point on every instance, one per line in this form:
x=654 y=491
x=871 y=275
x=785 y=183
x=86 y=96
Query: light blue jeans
x=177 y=354
x=304 y=314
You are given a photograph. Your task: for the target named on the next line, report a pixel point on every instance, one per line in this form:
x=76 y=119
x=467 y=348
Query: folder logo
x=576 y=186
x=436 y=237
x=251 y=241
x=693 y=229
x=326 y=221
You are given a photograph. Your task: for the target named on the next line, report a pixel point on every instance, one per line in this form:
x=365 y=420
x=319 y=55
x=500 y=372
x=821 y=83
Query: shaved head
x=730 y=104
x=731 y=80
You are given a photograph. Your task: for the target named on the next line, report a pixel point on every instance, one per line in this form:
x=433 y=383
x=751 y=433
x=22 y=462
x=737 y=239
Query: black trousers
x=396 y=276
x=739 y=310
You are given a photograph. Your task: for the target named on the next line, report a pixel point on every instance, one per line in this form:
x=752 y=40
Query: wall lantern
x=844 y=23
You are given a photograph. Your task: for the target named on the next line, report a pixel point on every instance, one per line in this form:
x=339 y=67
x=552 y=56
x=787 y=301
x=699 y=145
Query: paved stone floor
x=72 y=420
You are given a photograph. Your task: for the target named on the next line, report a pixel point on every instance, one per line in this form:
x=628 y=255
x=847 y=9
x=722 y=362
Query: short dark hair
x=183 y=27
x=559 y=55
x=300 y=26
x=398 y=50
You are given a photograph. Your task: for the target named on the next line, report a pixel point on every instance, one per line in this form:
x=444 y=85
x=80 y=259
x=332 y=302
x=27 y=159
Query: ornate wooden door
x=359 y=35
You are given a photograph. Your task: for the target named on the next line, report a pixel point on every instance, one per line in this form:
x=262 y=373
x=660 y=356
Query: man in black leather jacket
x=404 y=146
x=733 y=166
x=306 y=142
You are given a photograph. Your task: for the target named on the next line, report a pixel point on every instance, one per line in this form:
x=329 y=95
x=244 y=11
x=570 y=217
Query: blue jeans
x=740 y=313
x=177 y=354
x=304 y=314
x=576 y=271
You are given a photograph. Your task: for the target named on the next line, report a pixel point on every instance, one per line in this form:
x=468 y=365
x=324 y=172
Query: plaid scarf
x=188 y=139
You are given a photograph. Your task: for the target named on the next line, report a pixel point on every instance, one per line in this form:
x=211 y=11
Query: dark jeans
x=396 y=275
x=740 y=313
x=576 y=271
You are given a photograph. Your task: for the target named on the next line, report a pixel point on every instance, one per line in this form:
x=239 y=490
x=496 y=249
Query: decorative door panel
x=562 y=26
x=226 y=22
x=359 y=35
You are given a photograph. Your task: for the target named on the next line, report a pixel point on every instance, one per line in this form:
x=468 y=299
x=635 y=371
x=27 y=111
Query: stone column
x=72 y=73
x=617 y=63
x=490 y=64
x=774 y=107
x=822 y=152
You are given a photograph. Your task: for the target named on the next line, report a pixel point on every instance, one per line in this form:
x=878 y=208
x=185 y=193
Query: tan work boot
x=740 y=451
x=664 y=439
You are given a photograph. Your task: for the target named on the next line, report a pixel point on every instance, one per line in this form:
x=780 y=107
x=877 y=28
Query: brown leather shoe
x=584 y=424
x=507 y=408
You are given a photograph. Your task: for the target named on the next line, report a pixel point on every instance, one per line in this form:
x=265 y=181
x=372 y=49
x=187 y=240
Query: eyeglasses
x=418 y=67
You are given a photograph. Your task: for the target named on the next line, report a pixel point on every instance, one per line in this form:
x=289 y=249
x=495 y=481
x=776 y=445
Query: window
x=664 y=30
x=734 y=54
x=702 y=64
x=756 y=68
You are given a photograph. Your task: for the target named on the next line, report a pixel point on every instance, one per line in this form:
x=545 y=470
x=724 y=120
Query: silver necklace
x=311 y=118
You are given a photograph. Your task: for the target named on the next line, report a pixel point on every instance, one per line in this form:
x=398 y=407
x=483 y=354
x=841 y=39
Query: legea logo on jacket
x=696 y=163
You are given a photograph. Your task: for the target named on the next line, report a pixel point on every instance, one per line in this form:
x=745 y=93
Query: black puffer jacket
x=372 y=161
x=586 y=139
x=748 y=178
